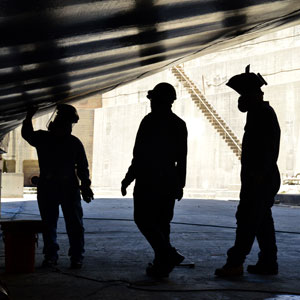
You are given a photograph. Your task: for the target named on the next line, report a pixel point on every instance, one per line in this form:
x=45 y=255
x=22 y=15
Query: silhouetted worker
x=62 y=160
x=260 y=180
x=159 y=170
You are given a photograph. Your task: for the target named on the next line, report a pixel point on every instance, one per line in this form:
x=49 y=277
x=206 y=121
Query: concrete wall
x=212 y=167
x=12 y=185
x=108 y=125
x=277 y=58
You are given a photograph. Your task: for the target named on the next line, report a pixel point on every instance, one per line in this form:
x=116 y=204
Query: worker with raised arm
x=64 y=173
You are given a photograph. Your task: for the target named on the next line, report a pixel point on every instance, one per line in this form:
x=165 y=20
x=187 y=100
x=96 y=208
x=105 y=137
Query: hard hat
x=163 y=90
x=246 y=83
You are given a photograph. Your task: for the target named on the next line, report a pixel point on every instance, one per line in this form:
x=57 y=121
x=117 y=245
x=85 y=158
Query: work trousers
x=254 y=220
x=50 y=197
x=152 y=215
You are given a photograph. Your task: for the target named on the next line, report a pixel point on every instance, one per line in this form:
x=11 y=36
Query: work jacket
x=159 y=155
x=62 y=159
x=260 y=149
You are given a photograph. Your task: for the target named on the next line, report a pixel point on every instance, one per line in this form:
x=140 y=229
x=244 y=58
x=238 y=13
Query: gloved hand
x=179 y=194
x=123 y=188
x=87 y=193
x=31 y=112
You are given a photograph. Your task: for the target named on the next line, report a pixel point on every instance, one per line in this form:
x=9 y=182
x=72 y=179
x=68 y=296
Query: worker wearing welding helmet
x=63 y=119
x=260 y=180
x=63 y=174
x=159 y=170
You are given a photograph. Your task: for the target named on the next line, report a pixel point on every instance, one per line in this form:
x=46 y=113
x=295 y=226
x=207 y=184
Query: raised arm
x=27 y=128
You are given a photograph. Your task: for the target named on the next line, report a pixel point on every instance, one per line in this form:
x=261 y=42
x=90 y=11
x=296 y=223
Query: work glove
x=31 y=112
x=179 y=194
x=124 y=186
x=87 y=193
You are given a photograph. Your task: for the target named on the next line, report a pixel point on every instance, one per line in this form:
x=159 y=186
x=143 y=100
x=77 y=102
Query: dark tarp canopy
x=58 y=51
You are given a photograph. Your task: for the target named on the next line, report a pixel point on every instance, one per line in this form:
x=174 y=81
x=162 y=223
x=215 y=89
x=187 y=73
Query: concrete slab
x=117 y=254
x=288 y=199
x=12 y=185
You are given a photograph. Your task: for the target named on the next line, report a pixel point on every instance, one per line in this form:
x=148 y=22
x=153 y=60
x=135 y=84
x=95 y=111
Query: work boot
x=49 y=262
x=163 y=265
x=229 y=271
x=76 y=264
x=176 y=257
x=158 y=270
x=263 y=269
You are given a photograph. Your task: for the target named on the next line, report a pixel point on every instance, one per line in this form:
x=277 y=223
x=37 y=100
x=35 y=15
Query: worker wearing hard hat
x=260 y=180
x=62 y=160
x=159 y=170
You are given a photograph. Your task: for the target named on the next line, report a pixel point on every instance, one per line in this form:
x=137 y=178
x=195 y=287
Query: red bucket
x=19 y=252
x=20 y=237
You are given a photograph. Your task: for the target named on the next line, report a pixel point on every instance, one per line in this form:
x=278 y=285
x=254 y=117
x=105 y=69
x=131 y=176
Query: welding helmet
x=246 y=83
x=63 y=115
x=164 y=91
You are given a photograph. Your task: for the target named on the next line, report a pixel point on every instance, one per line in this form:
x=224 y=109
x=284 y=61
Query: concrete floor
x=117 y=254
